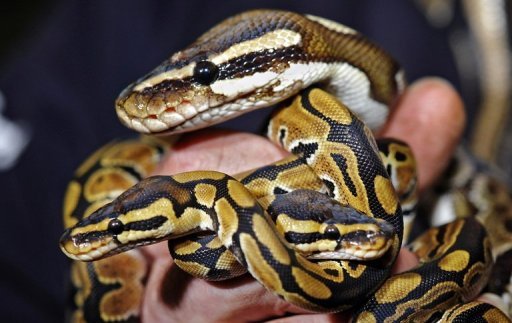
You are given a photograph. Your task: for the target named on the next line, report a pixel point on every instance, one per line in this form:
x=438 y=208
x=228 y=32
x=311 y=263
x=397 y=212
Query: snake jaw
x=201 y=111
x=76 y=247
x=86 y=251
x=349 y=252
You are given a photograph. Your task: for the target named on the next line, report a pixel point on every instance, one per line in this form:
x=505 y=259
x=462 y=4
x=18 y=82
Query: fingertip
x=439 y=97
x=430 y=117
x=221 y=150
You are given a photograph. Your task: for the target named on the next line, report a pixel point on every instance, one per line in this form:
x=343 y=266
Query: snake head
x=321 y=228
x=232 y=68
x=138 y=217
x=352 y=235
x=93 y=237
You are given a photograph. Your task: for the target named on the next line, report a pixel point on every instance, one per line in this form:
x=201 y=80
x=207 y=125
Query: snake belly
x=233 y=69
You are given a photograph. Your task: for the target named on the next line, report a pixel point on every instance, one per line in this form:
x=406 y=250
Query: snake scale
x=321 y=228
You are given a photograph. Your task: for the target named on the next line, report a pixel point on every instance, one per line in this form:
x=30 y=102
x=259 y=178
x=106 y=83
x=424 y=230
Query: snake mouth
x=136 y=116
x=349 y=251
x=187 y=116
x=92 y=254
x=92 y=250
x=173 y=122
x=89 y=250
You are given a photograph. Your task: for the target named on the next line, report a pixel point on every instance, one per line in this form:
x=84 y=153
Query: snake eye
x=205 y=72
x=332 y=233
x=115 y=226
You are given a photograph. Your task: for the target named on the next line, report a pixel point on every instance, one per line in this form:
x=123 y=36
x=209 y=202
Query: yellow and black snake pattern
x=254 y=221
x=108 y=290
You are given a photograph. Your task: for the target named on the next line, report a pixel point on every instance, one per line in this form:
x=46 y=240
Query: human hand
x=429 y=117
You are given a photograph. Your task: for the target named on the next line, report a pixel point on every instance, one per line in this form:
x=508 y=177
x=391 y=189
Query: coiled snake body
x=324 y=221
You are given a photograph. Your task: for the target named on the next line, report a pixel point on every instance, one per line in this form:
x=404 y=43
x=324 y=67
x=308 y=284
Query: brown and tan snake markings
x=309 y=228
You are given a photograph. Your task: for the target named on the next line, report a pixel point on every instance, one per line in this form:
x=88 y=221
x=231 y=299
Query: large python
x=249 y=61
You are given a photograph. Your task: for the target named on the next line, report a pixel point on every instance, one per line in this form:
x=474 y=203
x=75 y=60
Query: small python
x=323 y=221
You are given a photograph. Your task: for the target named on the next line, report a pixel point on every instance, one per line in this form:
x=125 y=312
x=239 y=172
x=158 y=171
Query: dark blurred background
x=62 y=64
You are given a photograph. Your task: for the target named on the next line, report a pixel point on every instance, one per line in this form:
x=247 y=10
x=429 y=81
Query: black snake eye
x=205 y=72
x=332 y=233
x=115 y=226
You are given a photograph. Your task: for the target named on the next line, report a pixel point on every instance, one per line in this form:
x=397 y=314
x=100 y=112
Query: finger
x=174 y=296
x=430 y=118
x=171 y=293
x=221 y=150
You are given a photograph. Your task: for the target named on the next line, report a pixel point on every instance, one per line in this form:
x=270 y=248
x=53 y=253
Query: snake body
x=254 y=60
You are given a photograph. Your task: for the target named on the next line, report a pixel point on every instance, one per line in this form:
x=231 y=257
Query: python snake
x=255 y=221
